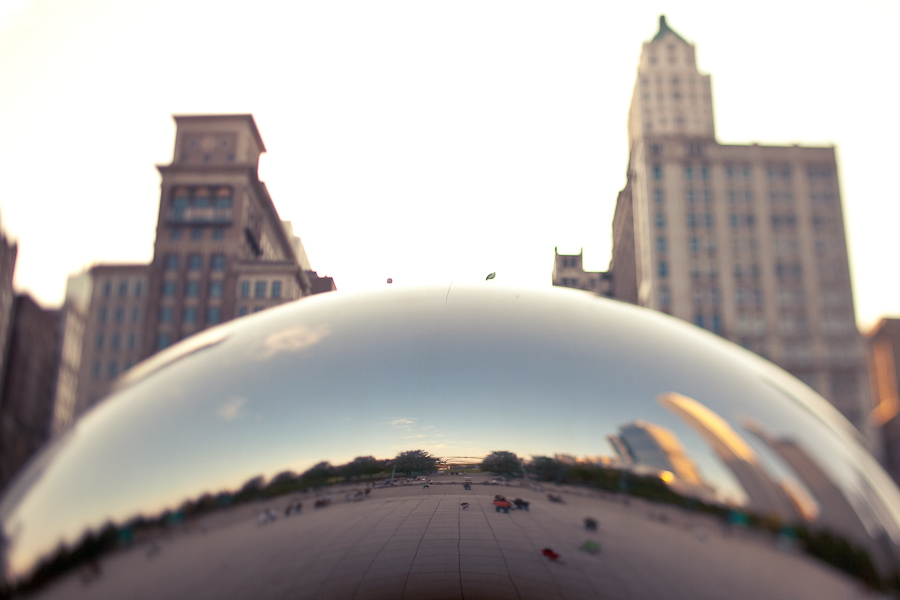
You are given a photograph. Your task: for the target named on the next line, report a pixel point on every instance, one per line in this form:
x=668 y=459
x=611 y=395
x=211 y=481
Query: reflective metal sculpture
x=454 y=442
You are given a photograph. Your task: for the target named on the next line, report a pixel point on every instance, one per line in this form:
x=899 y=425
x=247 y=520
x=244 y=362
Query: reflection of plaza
x=647 y=446
x=765 y=496
x=410 y=542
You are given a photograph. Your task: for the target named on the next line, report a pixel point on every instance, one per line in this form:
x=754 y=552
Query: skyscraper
x=746 y=241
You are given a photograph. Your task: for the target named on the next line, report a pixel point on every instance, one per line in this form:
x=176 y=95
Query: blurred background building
x=221 y=252
x=746 y=241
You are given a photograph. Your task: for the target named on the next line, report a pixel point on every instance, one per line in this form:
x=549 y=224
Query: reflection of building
x=221 y=252
x=642 y=444
x=884 y=368
x=835 y=511
x=765 y=495
x=746 y=241
x=648 y=444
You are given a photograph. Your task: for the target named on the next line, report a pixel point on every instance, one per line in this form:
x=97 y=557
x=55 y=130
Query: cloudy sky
x=421 y=140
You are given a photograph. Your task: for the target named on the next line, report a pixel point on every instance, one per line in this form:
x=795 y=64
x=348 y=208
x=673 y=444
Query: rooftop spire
x=664 y=28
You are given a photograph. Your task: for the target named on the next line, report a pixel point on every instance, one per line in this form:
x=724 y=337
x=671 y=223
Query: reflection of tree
x=502 y=463
x=415 y=462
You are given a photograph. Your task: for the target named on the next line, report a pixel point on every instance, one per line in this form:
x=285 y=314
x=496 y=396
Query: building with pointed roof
x=746 y=241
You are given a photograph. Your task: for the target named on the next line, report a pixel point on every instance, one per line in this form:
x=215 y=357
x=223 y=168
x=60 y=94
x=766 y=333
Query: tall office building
x=746 y=241
x=221 y=252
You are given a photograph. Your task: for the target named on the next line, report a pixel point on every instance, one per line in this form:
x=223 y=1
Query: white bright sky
x=421 y=140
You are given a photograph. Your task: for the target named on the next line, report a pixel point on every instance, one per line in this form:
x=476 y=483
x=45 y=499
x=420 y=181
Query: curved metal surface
x=279 y=456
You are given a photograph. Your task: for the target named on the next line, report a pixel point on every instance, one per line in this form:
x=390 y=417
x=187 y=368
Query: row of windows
x=775 y=173
x=739 y=220
x=122 y=288
x=192 y=288
x=260 y=289
x=189 y=315
x=118 y=315
x=783 y=271
x=776 y=197
x=197 y=233
x=116 y=341
x=112 y=369
x=194 y=262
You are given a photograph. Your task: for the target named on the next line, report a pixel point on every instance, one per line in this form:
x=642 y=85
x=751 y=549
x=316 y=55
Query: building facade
x=221 y=252
x=113 y=302
x=746 y=241
x=29 y=385
x=568 y=271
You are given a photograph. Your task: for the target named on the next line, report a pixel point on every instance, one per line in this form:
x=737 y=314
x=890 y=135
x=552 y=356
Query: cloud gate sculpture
x=454 y=442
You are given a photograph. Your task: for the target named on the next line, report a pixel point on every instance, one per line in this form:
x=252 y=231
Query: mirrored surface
x=454 y=442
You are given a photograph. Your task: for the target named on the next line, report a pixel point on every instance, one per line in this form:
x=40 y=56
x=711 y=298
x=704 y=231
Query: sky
x=420 y=140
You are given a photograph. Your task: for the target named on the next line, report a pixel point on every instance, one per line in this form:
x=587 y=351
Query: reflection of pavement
x=410 y=542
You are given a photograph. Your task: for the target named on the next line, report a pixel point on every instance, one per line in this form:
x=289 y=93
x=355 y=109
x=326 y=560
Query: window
x=260 y=289
x=707 y=196
x=164 y=340
x=192 y=289
x=692 y=220
x=217 y=262
x=95 y=370
x=116 y=341
x=257 y=309
x=138 y=289
x=694 y=244
x=213 y=315
x=101 y=315
x=657 y=172
x=190 y=316
x=665 y=297
x=132 y=341
x=242 y=311
x=215 y=289
x=135 y=315
x=123 y=289
x=120 y=315
x=165 y=315
x=99 y=341
x=689 y=172
x=276 y=289
x=689 y=196
x=659 y=195
x=218 y=233
x=660 y=247
x=195 y=262
x=704 y=173
x=663 y=269
x=245 y=289
x=113 y=369
x=170 y=262
x=168 y=290
x=107 y=289
x=708 y=219
x=196 y=234
x=698 y=320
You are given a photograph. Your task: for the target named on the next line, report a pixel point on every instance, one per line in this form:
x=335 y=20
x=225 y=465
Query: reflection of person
x=550 y=554
x=501 y=504
x=521 y=504
x=464 y=505
x=590 y=524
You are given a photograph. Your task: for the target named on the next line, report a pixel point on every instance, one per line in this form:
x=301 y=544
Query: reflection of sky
x=457 y=372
